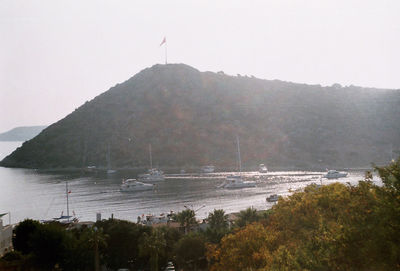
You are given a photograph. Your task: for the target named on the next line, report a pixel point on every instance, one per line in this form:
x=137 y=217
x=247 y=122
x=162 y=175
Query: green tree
x=172 y=236
x=187 y=219
x=218 y=225
x=82 y=254
x=333 y=227
x=190 y=252
x=51 y=246
x=123 y=239
x=218 y=219
x=23 y=233
x=153 y=246
x=243 y=250
x=247 y=216
x=390 y=176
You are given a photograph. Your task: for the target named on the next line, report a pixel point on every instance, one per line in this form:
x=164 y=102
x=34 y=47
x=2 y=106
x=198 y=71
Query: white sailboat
x=64 y=219
x=236 y=181
x=153 y=174
x=109 y=169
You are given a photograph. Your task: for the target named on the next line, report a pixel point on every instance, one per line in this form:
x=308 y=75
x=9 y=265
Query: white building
x=5 y=237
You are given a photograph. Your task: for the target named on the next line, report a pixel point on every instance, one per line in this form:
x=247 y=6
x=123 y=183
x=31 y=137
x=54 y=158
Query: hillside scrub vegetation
x=191 y=119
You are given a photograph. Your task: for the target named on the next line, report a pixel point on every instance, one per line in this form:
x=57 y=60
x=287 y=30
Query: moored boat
x=273 y=198
x=334 y=174
x=153 y=174
x=236 y=181
x=64 y=219
x=262 y=168
x=208 y=169
x=131 y=185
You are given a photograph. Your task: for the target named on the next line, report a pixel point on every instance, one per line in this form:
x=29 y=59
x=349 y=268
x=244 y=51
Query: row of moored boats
x=233 y=181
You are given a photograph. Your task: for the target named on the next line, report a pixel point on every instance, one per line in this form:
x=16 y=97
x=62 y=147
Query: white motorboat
x=262 y=168
x=133 y=185
x=208 y=169
x=236 y=181
x=273 y=198
x=153 y=174
x=334 y=174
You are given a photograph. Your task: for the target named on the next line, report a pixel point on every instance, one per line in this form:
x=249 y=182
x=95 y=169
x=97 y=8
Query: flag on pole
x=163 y=41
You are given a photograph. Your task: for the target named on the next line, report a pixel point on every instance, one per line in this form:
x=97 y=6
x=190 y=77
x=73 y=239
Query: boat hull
x=237 y=186
x=273 y=198
x=133 y=189
x=131 y=185
x=235 y=182
x=335 y=175
x=151 y=178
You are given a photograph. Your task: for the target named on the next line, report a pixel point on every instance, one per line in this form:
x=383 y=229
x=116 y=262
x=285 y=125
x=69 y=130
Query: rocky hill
x=21 y=133
x=191 y=118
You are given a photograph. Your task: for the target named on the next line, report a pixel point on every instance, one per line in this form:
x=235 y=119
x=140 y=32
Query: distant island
x=191 y=118
x=22 y=133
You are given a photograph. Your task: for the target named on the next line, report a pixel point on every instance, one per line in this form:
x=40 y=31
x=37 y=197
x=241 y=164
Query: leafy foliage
x=190 y=252
x=333 y=227
x=153 y=246
x=247 y=216
x=218 y=226
x=51 y=245
x=23 y=234
x=240 y=251
x=187 y=219
x=123 y=240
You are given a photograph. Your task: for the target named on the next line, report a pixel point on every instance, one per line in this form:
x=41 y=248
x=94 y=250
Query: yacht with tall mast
x=153 y=174
x=64 y=219
x=109 y=169
x=236 y=181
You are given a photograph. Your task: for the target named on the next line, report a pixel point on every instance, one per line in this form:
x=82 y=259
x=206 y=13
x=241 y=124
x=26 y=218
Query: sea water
x=28 y=193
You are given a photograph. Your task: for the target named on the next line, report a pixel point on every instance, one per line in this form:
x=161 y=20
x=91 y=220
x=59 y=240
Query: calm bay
x=28 y=193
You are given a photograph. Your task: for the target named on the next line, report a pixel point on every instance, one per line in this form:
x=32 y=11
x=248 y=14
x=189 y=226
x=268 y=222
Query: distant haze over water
x=7 y=147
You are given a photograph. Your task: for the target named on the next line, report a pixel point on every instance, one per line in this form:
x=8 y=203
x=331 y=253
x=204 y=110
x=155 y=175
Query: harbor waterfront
x=27 y=193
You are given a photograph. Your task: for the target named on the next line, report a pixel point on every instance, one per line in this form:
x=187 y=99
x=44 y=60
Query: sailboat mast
x=391 y=152
x=66 y=190
x=238 y=149
x=108 y=157
x=151 y=160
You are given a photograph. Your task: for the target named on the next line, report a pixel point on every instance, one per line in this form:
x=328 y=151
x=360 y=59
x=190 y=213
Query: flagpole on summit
x=166 y=52
x=165 y=41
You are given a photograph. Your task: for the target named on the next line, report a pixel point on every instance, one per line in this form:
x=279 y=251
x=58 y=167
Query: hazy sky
x=55 y=55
